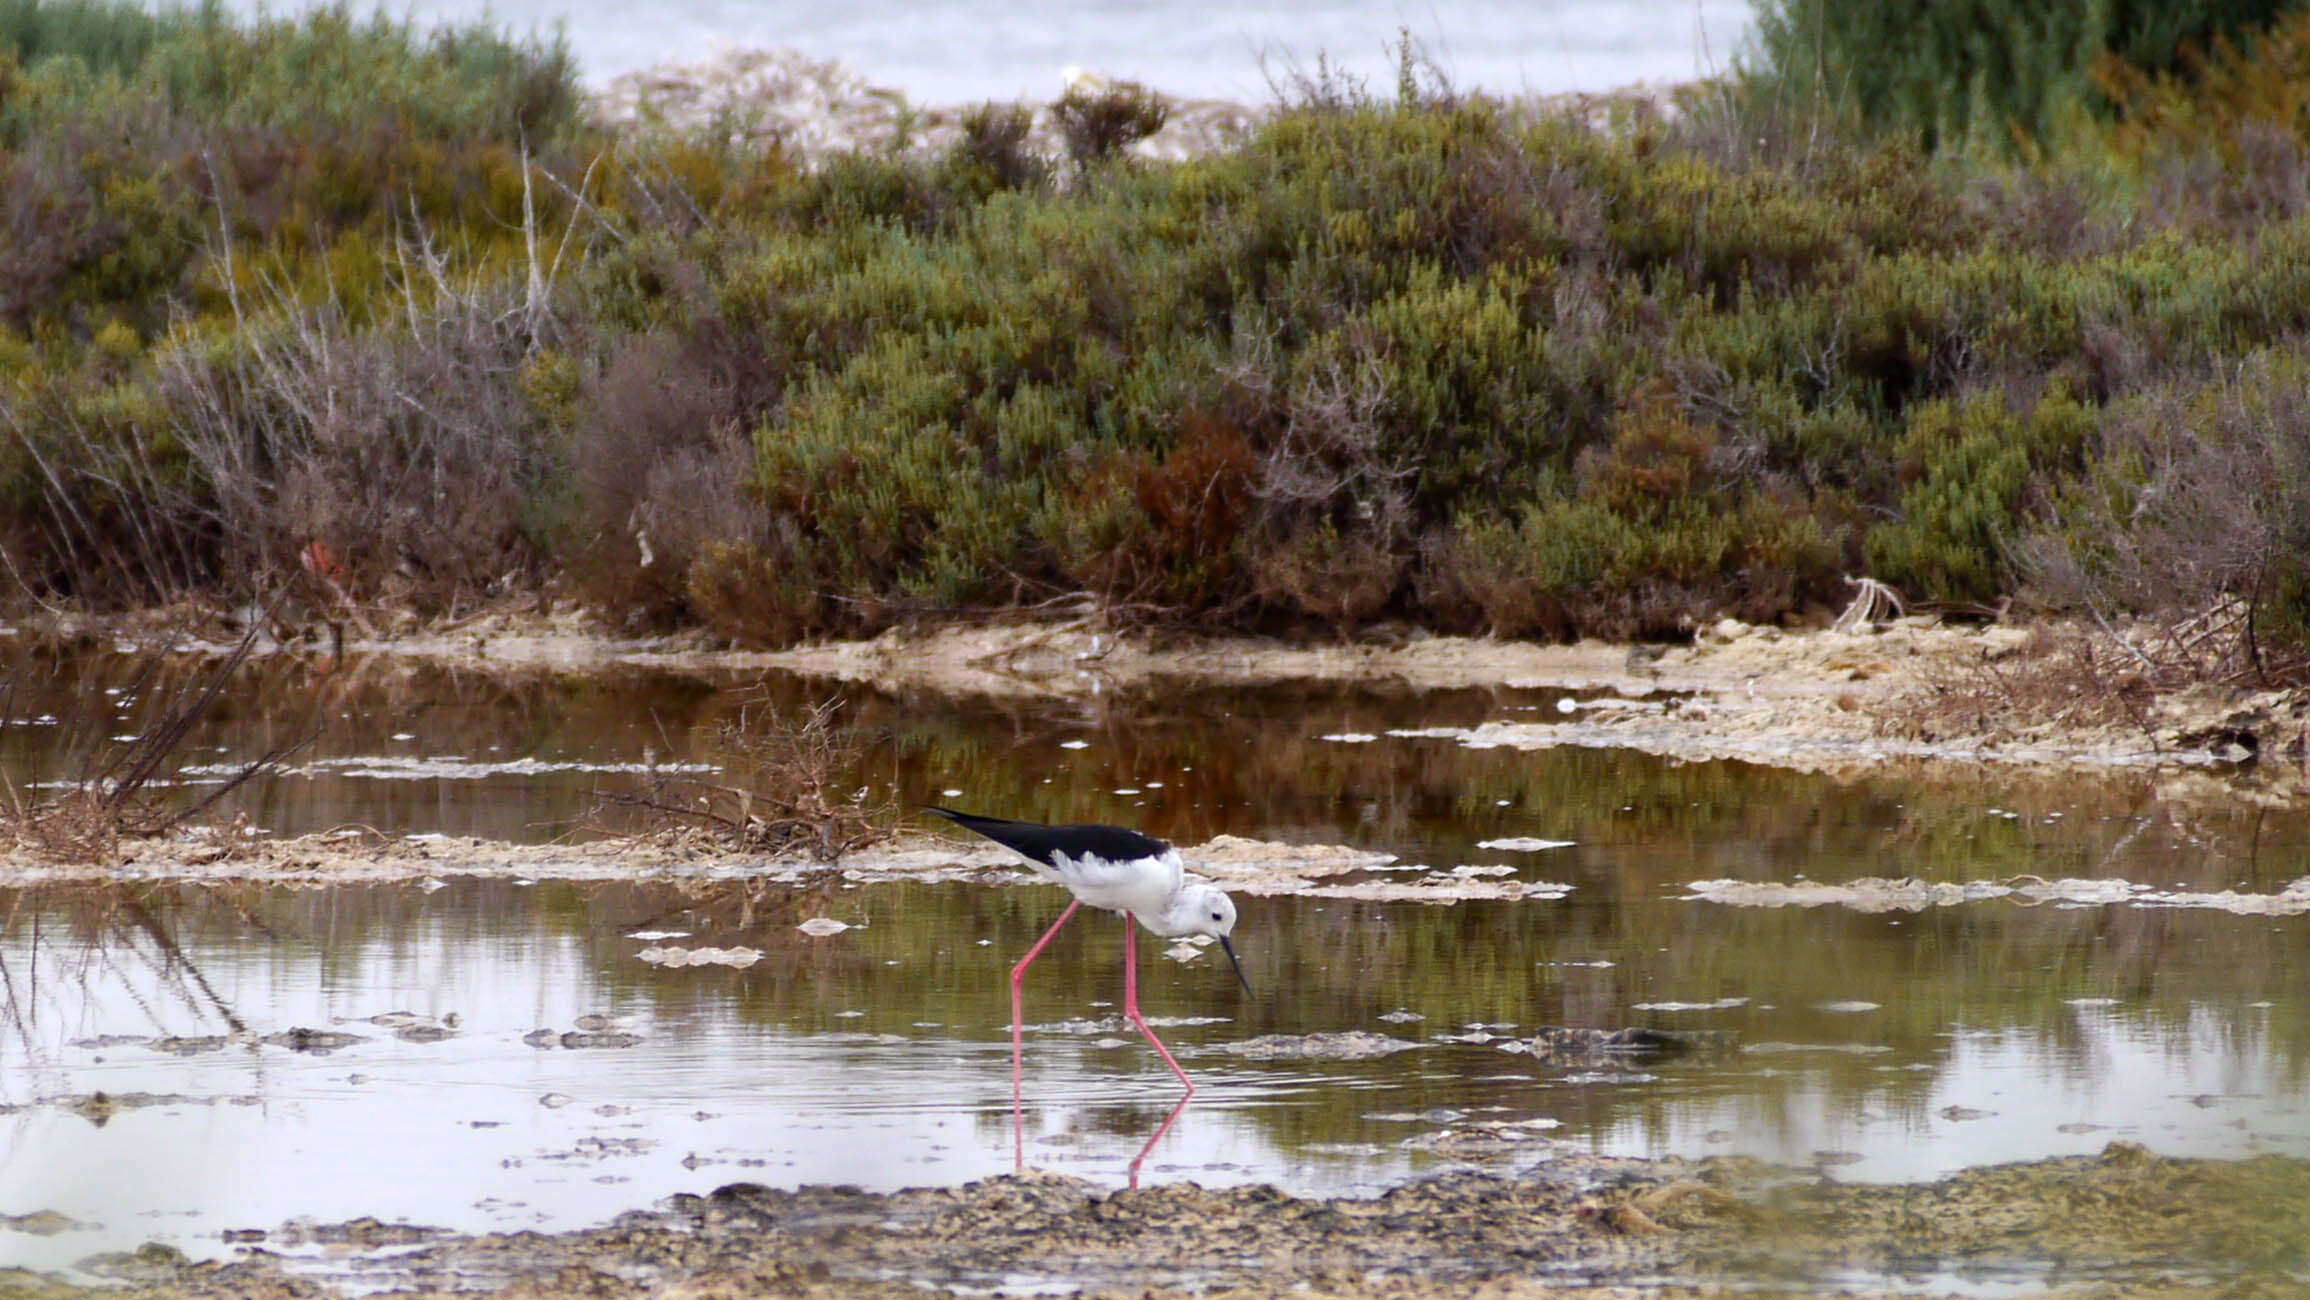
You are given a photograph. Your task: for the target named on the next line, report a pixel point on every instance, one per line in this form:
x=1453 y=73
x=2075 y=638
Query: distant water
x=959 y=51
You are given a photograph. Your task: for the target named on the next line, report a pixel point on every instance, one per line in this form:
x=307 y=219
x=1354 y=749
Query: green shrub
x=1976 y=471
x=1661 y=533
x=1978 y=74
x=1437 y=359
x=321 y=67
x=1098 y=122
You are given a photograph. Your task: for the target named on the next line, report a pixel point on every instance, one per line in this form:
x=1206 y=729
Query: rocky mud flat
x=2124 y=1223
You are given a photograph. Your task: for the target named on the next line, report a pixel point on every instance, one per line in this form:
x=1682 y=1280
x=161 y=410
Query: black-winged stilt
x=1121 y=871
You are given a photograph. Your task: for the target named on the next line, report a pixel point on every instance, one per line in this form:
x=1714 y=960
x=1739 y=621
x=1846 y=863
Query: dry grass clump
x=76 y=826
x=780 y=795
x=2057 y=678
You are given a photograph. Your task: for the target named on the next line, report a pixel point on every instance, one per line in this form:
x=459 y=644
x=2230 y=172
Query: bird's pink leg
x=1168 y=1121
x=1131 y=1001
x=1019 y=1033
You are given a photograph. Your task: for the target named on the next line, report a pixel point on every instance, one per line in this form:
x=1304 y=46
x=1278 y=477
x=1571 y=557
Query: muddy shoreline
x=2124 y=1222
x=1813 y=700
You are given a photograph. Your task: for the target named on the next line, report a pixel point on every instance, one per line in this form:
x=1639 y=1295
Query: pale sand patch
x=1879 y=894
x=1259 y=868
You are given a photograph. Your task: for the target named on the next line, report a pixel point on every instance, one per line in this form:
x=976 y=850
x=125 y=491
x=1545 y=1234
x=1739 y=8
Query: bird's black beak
x=1235 y=962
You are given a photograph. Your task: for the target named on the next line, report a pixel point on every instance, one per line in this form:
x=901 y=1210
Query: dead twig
x=1873 y=603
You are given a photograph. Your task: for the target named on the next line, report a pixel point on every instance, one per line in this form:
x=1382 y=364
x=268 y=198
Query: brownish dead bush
x=756 y=595
x=2082 y=677
x=1342 y=580
x=1479 y=578
x=1165 y=533
x=662 y=465
x=779 y=793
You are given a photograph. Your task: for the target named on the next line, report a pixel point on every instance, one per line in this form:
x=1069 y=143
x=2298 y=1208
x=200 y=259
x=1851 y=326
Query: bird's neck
x=1173 y=921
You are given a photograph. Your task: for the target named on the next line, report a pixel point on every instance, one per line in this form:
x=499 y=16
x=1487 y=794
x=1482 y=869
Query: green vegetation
x=1983 y=73
x=1432 y=358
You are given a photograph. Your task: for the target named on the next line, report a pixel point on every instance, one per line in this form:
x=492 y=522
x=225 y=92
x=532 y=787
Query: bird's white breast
x=1143 y=887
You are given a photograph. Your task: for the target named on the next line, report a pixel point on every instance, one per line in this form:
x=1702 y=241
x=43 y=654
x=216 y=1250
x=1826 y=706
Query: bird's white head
x=1204 y=909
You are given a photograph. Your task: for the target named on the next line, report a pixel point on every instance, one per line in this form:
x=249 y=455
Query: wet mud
x=2121 y=1223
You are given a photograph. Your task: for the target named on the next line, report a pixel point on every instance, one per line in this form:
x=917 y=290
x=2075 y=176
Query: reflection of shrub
x=118 y=793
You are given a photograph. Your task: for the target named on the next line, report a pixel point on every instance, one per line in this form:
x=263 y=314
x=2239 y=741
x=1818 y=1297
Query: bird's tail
x=974 y=821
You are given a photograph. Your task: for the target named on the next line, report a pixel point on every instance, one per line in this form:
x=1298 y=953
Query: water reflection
x=407 y=746
x=1875 y=1047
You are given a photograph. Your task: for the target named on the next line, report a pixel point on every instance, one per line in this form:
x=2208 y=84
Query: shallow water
x=1875 y=1046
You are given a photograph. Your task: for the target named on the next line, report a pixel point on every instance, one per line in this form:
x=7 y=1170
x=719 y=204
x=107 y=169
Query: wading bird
x=1121 y=871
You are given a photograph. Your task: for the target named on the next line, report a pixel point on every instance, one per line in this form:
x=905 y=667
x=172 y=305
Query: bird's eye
x=1215 y=916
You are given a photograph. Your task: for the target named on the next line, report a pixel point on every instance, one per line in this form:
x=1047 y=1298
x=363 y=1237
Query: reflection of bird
x=1119 y=870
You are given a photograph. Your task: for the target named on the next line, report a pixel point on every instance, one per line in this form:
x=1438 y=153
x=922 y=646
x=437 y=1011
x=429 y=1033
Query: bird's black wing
x=1041 y=843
